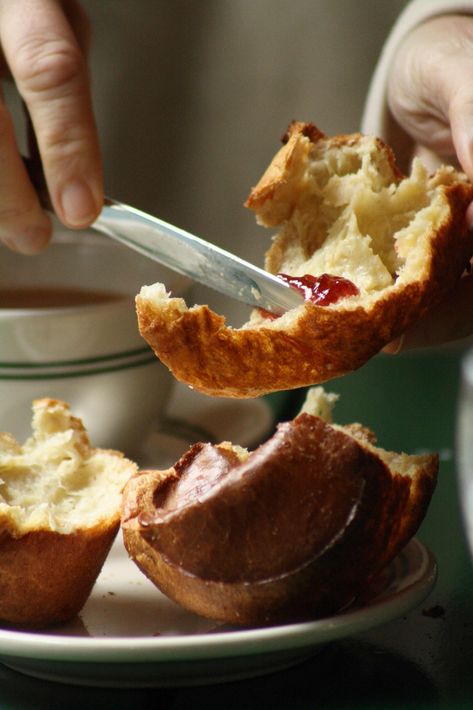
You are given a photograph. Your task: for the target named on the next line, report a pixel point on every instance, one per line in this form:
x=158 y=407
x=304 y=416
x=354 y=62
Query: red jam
x=323 y=290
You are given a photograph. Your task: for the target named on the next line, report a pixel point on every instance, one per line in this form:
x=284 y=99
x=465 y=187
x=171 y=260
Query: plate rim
x=229 y=643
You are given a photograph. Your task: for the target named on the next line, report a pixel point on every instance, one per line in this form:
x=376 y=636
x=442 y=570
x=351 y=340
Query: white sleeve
x=376 y=119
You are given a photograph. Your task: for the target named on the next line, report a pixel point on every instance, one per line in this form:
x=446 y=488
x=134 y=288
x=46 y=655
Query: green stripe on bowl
x=66 y=372
x=80 y=361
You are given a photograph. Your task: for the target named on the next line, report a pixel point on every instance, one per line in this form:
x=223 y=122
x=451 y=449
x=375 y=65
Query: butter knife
x=175 y=248
x=183 y=252
x=194 y=257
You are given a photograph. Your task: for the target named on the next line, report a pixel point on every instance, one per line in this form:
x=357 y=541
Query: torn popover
x=372 y=250
x=60 y=502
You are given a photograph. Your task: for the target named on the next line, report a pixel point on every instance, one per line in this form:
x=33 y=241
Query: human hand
x=43 y=52
x=430 y=95
x=430 y=88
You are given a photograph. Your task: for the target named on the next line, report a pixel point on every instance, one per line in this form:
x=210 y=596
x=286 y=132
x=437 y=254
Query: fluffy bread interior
x=348 y=212
x=56 y=481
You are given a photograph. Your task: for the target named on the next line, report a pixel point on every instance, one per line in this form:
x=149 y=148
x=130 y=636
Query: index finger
x=51 y=74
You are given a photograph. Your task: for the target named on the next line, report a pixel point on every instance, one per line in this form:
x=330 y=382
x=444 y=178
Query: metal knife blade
x=196 y=258
x=181 y=251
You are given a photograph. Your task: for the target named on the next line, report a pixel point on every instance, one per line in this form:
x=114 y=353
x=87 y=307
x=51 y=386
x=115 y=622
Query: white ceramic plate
x=129 y=634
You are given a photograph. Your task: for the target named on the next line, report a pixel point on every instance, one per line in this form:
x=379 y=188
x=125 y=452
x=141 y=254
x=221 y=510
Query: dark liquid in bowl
x=53 y=297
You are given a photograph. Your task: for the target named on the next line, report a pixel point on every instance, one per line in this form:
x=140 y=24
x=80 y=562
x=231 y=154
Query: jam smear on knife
x=322 y=290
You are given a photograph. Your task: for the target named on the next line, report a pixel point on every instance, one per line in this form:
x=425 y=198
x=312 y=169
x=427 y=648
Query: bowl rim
x=62 y=236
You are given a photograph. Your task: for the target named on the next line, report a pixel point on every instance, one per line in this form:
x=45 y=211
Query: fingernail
x=78 y=204
x=395 y=346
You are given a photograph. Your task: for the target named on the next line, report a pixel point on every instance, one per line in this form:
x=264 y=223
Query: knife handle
x=33 y=164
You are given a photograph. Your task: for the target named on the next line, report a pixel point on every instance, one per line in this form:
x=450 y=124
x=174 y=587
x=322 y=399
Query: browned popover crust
x=295 y=530
x=316 y=186
x=60 y=505
x=46 y=577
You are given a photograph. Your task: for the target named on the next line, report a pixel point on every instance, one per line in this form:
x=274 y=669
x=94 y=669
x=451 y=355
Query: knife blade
x=183 y=252
x=194 y=257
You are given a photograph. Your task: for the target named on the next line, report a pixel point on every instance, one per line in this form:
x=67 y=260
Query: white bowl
x=89 y=355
